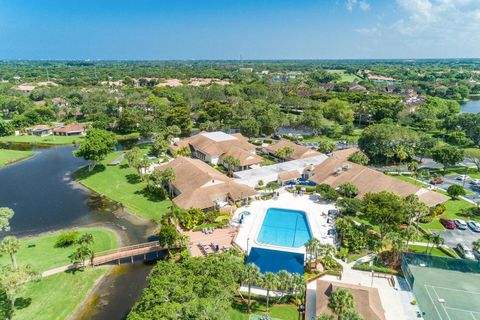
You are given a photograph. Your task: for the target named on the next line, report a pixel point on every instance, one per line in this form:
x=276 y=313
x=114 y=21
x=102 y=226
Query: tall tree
x=97 y=144
x=10 y=245
x=269 y=283
x=231 y=163
x=384 y=209
x=10 y=280
x=447 y=155
x=252 y=277
x=5 y=215
x=284 y=152
x=473 y=155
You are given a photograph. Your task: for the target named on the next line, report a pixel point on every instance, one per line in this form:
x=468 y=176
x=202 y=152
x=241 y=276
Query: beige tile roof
x=289 y=175
x=199 y=184
x=299 y=152
x=367 y=300
x=70 y=128
x=368 y=180
x=237 y=146
x=246 y=158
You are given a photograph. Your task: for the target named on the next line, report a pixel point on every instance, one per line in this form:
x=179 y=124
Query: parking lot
x=456 y=236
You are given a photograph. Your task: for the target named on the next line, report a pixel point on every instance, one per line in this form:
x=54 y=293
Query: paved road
x=456 y=236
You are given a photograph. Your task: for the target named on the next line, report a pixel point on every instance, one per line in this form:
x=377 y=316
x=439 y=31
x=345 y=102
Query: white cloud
x=351 y=4
x=374 y=31
x=440 y=18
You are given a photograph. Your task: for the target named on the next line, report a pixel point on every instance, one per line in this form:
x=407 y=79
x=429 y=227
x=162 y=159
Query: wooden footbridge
x=127 y=252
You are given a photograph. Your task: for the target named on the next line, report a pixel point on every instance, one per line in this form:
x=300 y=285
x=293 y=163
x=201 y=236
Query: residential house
x=337 y=170
x=40 y=130
x=198 y=185
x=367 y=299
x=357 y=87
x=60 y=102
x=70 y=130
x=26 y=87
x=214 y=147
x=299 y=152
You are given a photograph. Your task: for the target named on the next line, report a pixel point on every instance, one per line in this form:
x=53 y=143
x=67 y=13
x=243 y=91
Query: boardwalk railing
x=125 y=252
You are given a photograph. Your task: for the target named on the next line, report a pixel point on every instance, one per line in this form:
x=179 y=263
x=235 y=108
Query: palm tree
x=10 y=245
x=252 y=277
x=284 y=152
x=168 y=176
x=429 y=238
x=270 y=283
x=312 y=248
x=232 y=163
x=298 y=287
x=436 y=240
x=341 y=301
x=284 y=282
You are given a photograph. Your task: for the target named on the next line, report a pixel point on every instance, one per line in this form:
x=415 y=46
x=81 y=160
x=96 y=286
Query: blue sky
x=226 y=29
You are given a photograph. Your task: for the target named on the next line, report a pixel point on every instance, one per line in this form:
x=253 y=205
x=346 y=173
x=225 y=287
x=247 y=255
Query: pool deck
x=316 y=214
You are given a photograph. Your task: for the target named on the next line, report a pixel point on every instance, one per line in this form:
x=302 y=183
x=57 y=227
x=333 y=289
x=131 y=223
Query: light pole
x=248 y=241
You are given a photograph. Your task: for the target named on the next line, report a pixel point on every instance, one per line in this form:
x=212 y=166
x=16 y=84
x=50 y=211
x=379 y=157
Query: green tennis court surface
x=446 y=294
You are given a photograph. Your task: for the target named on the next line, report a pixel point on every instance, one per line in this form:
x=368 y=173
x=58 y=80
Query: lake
x=45 y=197
x=472 y=105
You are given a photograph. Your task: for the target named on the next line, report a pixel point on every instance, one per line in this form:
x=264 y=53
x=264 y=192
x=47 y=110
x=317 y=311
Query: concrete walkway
x=63 y=269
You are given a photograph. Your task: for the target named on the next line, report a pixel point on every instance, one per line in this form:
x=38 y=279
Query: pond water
x=472 y=105
x=45 y=197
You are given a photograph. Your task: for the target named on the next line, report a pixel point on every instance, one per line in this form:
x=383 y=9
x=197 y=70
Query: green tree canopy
x=97 y=144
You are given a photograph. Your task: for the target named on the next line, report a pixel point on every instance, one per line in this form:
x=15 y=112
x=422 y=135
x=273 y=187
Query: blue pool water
x=284 y=227
x=274 y=260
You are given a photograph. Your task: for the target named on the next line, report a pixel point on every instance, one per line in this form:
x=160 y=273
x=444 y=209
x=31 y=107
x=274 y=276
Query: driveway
x=456 y=236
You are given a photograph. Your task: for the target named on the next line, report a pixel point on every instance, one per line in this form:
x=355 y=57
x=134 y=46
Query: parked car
x=465 y=251
x=475 y=181
x=448 y=223
x=474 y=226
x=462 y=225
x=437 y=181
x=462 y=177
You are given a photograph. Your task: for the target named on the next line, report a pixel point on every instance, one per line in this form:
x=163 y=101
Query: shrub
x=438 y=210
x=273 y=185
x=427 y=219
x=455 y=191
x=66 y=238
x=327 y=192
x=359 y=157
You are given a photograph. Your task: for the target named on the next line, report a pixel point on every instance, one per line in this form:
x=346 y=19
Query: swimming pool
x=285 y=227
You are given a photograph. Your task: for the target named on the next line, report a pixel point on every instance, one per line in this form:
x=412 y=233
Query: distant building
x=357 y=87
x=214 y=147
x=70 y=130
x=245 y=69
x=40 y=130
x=26 y=87
x=299 y=152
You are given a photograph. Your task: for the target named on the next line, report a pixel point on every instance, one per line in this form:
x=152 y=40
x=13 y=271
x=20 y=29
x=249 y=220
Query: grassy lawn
x=48 y=140
x=353 y=256
x=284 y=312
x=122 y=184
x=45 y=256
x=410 y=180
x=346 y=76
x=433 y=252
x=11 y=156
x=57 y=296
x=454 y=208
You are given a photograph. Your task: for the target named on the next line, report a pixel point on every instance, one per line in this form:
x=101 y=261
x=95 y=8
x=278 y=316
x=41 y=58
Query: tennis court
x=444 y=294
